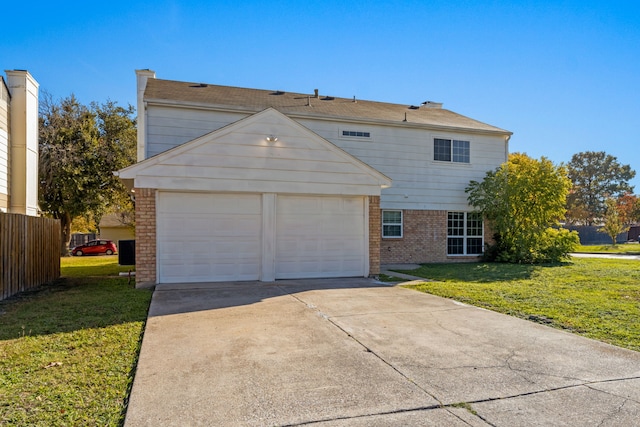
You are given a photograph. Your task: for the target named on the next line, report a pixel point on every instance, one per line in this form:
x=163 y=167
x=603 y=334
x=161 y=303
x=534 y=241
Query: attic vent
x=431 y=104
x=278 y=92
x=413 y=107
x=199 y=85
x=356 y=134
x=327 y=98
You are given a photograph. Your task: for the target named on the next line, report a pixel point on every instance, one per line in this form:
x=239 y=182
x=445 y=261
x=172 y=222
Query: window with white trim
x=451 y=150
x=465 y=233
x=391 y=224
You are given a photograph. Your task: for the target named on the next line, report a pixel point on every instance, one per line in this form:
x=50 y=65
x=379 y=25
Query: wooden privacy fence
x=29 y=252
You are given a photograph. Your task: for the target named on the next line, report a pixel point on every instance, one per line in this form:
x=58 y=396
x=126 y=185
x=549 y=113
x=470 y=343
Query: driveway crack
x=626 y=398
x=355 y=417
x=369 y=350
x=566 y=387
x=613 y=414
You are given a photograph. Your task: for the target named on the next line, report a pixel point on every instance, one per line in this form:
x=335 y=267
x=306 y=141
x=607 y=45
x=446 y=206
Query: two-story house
x=19 y=143
x=246 y=184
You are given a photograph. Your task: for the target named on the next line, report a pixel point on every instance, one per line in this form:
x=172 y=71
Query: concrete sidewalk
x=351 y=352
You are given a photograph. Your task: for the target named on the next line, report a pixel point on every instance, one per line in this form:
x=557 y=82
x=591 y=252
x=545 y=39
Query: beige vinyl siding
x=406 y=156
x=168 y=127
x=239 y=159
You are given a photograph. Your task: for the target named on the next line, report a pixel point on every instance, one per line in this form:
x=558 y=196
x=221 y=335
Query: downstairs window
x=465 y=233
x=391 y=224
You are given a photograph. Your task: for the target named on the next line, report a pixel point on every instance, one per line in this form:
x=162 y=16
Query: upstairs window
x=464 y=233
x=451 y=150
x=391 y=224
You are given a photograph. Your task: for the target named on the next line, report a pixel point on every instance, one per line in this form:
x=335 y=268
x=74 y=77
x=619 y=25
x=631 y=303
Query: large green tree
x=596 y=176
x=523 y=200
x=80 y=148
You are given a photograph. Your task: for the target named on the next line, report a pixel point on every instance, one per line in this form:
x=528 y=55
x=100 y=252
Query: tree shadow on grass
x=71 y=304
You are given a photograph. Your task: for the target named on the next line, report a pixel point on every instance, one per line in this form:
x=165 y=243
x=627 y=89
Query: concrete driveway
x=351 y=352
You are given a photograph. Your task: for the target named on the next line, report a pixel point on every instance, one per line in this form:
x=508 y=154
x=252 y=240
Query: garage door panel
x=319 y=237
x=313 y=226
x=338 y=248
x=209 y=237
x=193 y=203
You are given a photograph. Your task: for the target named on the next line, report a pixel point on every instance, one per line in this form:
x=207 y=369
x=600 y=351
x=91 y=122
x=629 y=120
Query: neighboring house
x=19 y=143
x=113 y=227
x=246 y=184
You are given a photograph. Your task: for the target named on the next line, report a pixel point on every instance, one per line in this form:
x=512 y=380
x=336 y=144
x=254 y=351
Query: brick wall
x=424 y=240
x=375 y=233
x=145 y=236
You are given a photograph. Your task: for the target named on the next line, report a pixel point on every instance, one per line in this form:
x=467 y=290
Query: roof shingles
x=244 y=99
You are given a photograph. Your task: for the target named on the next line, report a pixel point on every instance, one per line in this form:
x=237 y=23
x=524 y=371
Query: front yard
x=597 y=298
x=68 y=351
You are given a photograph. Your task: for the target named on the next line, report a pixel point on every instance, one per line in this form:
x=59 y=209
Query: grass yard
x=622 y=248
x=68 y=350
x=597 y=298
x=87 y=266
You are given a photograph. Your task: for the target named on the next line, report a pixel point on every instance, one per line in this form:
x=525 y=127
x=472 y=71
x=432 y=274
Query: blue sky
x=563 y=76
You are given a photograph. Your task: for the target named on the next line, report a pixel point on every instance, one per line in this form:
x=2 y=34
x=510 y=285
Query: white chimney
x=23 y=152
x=142 y=77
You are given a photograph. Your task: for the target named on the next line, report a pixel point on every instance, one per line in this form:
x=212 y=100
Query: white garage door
x=208 y=237
x=319 y=237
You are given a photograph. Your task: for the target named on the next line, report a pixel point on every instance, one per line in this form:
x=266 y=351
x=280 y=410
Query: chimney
x=142 y=77
x=315 y=91
x=23 y=144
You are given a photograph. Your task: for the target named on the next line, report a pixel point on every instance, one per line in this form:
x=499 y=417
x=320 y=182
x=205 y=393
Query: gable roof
x=238 y=158
x=308 y=105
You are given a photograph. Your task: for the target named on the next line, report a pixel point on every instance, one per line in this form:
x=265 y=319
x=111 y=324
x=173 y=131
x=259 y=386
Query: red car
x=95 y=247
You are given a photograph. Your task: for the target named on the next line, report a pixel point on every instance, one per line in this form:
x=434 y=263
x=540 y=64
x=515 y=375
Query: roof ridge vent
x=431 y=104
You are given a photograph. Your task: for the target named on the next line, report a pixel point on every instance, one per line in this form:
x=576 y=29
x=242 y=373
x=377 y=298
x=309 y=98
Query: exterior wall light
x=272 y=138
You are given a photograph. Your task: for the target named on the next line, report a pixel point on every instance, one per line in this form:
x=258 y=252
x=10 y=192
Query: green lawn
x=597 y=298
x=68 y=350
x=622 y=248
x=86 y=266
